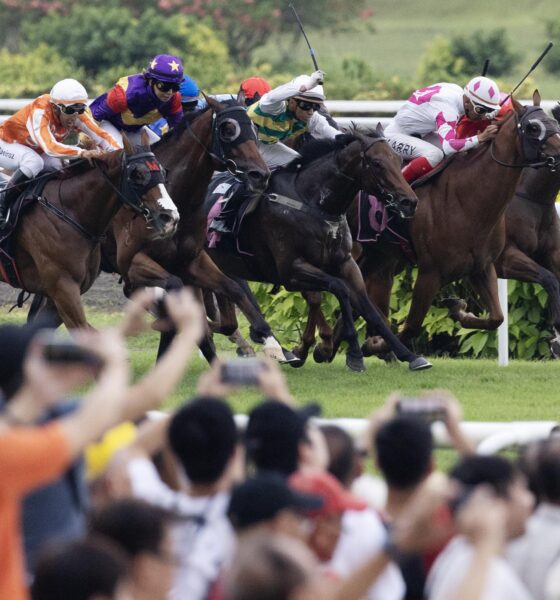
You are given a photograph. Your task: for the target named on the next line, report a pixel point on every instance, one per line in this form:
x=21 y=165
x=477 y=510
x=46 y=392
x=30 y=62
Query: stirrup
x=5 y=220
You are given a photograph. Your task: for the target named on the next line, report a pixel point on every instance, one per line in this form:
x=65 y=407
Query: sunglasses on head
x=307 y=105
x=165 y=86
x=481 y=110
x=72 y=109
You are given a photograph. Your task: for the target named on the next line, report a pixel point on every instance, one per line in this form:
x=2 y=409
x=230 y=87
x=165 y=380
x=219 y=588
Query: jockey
x=437 y=109
x=190 y=102
x=253 y=89
x=466 y=127
x=30 y=140
x=138 y=100
x=288 y=111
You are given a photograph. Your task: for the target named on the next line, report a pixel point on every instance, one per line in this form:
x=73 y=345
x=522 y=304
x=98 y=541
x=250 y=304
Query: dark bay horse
x=56 y=241
x=219 y=138
x=299 y=237
x=458 y=230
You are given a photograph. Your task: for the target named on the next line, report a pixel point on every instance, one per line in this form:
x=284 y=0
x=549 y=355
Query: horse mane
x=315 y=149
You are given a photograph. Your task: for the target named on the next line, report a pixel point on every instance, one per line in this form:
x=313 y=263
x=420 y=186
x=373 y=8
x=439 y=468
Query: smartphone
x=158 y=309
x=242 y=371
x=423 y=408
x=63 y=350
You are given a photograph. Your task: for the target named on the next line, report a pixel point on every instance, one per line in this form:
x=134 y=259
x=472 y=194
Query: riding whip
x=485 y=67
x=311 y=51
x=535 y=64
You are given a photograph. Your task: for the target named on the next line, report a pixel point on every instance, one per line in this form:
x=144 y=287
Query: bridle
x=531 y=146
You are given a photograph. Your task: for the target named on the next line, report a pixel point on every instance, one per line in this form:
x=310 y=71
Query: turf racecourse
x=522 y=391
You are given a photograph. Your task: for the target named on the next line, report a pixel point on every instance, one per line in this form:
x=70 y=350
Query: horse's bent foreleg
x=313 y=300
x=378 y=288
x=65 y=294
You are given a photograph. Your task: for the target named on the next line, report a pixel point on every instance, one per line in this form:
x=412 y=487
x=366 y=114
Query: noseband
x=531 y=146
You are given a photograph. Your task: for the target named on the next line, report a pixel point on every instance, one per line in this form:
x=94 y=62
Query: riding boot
x=416 y=168
x=9 y=195
x=225 y=221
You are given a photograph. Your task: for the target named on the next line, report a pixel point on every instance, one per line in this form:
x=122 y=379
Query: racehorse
x=299 y=234
x=218 y=138
x=56 y=240
x=458 y=231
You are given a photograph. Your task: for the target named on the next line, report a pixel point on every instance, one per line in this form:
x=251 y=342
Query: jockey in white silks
x=436 y=109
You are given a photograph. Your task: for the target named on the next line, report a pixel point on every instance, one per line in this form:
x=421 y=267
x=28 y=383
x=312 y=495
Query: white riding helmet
x=68 y=91
x=315 y=94
x=484 y=91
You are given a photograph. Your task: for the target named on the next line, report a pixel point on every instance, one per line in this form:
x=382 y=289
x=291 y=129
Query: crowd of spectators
x=187 y=505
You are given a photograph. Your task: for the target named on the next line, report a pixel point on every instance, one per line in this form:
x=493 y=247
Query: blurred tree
x=479 y=46
x=439 y=63
x=552 y=61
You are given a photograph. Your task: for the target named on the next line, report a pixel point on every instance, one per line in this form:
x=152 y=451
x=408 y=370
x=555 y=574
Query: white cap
x=315 y=94
x=68 y=91
x=485 y=91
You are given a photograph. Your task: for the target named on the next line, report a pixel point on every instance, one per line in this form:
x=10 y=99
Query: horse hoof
x=555 y=347
x=275 y=354
x=291 y=359
x=319 y=355
x=389 y=357
x=257 y=339
x=355 y=363
x=367 y=348
x=246 y=352
x=302 y=357
x=454 y=304
x=419 y=364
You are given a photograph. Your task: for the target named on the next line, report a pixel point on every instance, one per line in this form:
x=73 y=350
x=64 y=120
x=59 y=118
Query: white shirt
x=533 y=554
x=363 y=535
x=450 y=569
x=205 y=540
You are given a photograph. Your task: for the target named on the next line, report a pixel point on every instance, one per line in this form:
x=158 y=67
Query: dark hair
x=342 y=455
x=495 y=471
x=203 y=436
x=548 y=470
x=404 y=447
x=134 y=525
x=79 y=570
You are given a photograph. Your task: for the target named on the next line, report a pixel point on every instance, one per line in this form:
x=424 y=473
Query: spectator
x=452 y=564
x=533 y=554
x=82 y=570
x=144 y=533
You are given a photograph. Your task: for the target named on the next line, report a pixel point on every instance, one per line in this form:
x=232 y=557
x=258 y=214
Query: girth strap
x=298 y=205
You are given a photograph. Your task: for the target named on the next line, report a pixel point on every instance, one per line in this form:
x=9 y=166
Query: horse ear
x=379 y=129
x=518 y=107
x=536 y=98
x=145 y=138
x=128 y=147
x=241 y=97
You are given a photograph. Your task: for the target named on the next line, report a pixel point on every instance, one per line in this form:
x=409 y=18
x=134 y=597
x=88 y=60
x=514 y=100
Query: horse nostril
x=166 y=218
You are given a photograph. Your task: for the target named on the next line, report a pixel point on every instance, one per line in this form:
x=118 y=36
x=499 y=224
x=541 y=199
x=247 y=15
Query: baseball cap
x=336 y=499
x=263 y=497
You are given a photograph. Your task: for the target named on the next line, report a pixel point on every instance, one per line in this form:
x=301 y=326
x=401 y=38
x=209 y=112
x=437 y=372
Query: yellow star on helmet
x=153 y=64
x=174 y=65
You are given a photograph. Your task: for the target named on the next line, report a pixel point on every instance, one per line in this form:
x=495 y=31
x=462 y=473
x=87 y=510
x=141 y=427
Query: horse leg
x=202 y=271
x=378 y=288
x=308 y=337
x=554 y=266
x=486 y=285
x=44 y=306
x=65 y=294
x=352 y=276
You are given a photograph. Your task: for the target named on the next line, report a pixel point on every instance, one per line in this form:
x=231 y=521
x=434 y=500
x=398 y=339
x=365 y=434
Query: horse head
x=381 y=174
x=234 y=144
x=143 y=189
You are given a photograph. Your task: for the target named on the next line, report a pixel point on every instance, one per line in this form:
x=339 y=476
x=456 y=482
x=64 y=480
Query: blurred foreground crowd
x=102 y=499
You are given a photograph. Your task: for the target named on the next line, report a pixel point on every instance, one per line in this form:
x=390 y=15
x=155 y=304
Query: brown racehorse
x=458 y=230
x=219 y=138
x=57 y=240
x=300 y=238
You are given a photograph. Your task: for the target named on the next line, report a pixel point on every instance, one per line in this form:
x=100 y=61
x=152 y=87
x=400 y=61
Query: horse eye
x=229 y=130
x=140 y=175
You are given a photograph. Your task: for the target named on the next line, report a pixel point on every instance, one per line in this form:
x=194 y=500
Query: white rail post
x=503 y=336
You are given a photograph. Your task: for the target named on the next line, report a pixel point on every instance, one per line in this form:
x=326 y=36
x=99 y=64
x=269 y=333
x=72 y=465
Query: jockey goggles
x=479 y=109
x=166 y=86
x=72 y=108
x=304 y=105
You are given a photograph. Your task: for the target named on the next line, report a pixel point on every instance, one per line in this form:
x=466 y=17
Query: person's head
x=273 y=567
x=327 y=520
x=345 y=463
x=203 y=437
x=547 y=470
x=164 y=74
x=275 y=436
x=69 y=99
x=304 y=104
x=403 y=450
x=267 y=502
x=481 y=98
x=253 y=89
x=189 y=94
x=93 y=569
x=505 y=480
x=143 y=531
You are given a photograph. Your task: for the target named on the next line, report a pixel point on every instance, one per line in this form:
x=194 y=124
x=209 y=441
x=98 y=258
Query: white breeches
x=17 y=156
x=410 y=147
x=276 y=155
x=133 y=136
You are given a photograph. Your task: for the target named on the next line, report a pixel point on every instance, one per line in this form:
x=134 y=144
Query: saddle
x=439 y=168
x=33 y=191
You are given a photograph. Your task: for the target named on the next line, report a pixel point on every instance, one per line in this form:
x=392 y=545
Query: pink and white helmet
x=483 y=91
x=68 y=91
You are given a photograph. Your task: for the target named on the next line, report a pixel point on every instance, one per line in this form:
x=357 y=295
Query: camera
x=158 y=309
x=64 y=350
x=242 y=371
x=426 y=409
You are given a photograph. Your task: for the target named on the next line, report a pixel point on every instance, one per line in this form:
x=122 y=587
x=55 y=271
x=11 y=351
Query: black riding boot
x=9 y=194
x=225 y=221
